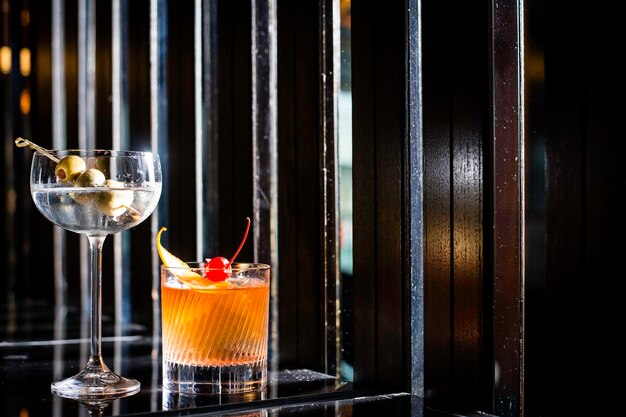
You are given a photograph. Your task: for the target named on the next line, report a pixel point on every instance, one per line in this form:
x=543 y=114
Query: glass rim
x=97 y=152
x=236 y=266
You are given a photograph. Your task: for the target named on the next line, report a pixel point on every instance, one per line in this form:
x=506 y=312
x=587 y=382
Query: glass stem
x=95 y=278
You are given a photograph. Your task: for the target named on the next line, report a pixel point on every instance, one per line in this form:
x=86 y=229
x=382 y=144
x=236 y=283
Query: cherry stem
x=245 y=235
x=21 y=143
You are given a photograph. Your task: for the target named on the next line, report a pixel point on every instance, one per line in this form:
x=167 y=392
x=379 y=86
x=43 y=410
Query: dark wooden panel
x=235 y=124
x=40 y=126
x=287 y=188
x=456 y=87
x=437 y=201
x=389 y=90
x=179 y=171
x=506 y=154
x=104 y=77
x=535 y=383
x=379 y=135
x=584 y=103
x=299 y=144
x=104 y=135
x=565 y=200
x=328 y=232
x=308 y=199
x=413 y=199
x=605 y=184
x=139 y=128
x=364 y=194
x=470 y=127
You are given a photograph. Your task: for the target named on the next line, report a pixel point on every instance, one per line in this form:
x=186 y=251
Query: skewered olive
x=89 y=178
x=69 y=168
x=115 y=201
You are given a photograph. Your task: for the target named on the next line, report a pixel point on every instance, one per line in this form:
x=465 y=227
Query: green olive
x=69 y=168
x=116 y=201
x=89 y=178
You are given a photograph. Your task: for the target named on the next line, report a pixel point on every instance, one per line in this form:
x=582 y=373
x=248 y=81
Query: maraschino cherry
x=218 y=268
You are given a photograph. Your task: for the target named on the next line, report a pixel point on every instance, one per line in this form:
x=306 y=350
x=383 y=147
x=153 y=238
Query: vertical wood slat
x=263 y=41
x=414 y=202
x=565 y=211
x=306 y=140
x=308 y=87
x=158 y=144
x=300 y=208
x=287 y=187
x=364 y=196
x=469 y=113
x=565 y=200
x=389 y=91
x=206 y=144
x=199 y=140
x=381 y=205
x=330 y=72
x=235 y=124
x=181 y=134
x=437 y=202
x=120 y=140
x=604 y=186
x=508 y=205
x=59 y=141
x=584 y=219
x=86 y=114
x=456 y=129
x=8 y=225
x=264 y=151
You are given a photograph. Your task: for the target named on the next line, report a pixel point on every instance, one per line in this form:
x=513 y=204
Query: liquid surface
x=90 y=210
x=215 y=327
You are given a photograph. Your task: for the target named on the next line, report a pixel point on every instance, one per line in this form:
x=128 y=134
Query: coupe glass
x=117 y=190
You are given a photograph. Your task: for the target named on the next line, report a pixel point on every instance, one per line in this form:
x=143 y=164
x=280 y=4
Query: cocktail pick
x=22 y=143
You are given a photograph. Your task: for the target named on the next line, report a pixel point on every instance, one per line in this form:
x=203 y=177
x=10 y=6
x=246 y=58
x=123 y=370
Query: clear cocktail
x=95 y=193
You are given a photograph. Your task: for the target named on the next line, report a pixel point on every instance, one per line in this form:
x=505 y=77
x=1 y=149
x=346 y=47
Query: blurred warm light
x=25 y=102
x=345 y=7
x=25 y=62
x=5 y=60
x=25 y=17
x=535 y=66
x=24 y=412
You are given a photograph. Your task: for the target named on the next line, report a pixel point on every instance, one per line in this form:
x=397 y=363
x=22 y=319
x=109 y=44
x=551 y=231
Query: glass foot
x=94 y=383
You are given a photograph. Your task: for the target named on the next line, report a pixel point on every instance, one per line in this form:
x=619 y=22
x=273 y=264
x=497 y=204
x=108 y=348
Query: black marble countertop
x=38 y=351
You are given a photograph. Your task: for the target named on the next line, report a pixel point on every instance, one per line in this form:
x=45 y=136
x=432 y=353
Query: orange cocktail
x=215 y=333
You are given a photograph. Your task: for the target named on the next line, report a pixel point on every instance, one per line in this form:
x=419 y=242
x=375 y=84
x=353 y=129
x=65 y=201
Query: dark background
x=572 y=147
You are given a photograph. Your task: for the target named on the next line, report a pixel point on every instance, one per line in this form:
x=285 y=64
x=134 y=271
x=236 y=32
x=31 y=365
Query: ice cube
x=237 y=281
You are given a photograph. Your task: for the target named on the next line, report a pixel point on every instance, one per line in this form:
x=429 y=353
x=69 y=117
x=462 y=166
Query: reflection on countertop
x=37 y=349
